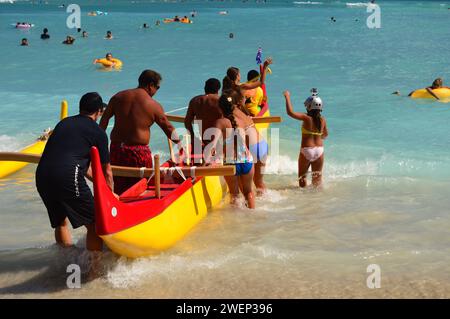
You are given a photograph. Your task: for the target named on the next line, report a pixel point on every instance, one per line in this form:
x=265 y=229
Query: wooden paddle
x=133 y=171
x=256 y=120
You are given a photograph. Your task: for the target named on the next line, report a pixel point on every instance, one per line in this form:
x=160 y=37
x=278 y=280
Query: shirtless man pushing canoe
x=135 y=111
x=204 y=109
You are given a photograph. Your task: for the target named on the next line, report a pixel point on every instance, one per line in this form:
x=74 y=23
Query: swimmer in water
x=109 y=35
x=24 y=42
x=108 y=57
x=145 y=26
x=84 y=34
x=231 y=35
x=45 y=35
x=69 y=40
x=437 y=84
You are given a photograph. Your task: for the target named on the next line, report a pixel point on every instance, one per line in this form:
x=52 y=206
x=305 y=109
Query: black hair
x=45 y=30
x=315 y=114
x=91 y=103
x=437 y=83
x=148 y=77
x=227 y=102
x=252 y=74
x=212 y=86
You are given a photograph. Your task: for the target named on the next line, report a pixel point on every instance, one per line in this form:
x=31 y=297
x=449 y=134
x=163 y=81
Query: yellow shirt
x=254 y=99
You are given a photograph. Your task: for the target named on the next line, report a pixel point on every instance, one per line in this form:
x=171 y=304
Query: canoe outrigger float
x=10 y=167
x=151 y=217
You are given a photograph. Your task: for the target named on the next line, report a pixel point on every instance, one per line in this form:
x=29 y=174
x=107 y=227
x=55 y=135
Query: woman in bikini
x=233 y=127
x=232 y=81
x=260 y=148
x=314 y=131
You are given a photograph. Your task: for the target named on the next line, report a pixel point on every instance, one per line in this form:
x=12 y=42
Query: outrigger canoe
x=9 y=167
x=141 y=224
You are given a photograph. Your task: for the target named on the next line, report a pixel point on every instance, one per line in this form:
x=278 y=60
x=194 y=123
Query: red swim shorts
x=131 y=156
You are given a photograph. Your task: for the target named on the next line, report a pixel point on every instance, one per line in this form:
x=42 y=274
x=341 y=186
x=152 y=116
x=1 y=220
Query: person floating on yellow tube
x=437 y=90
x=109 y=61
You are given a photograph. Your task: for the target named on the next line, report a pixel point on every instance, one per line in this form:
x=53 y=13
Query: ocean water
x=387 y=171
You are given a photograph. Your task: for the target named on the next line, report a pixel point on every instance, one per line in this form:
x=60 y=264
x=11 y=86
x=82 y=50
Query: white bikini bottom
x=312 y=154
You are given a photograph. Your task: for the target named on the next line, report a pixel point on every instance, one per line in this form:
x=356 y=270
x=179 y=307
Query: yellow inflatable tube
x=181 y=20
x=441 y=93
x=8 y=168
x=116 y=63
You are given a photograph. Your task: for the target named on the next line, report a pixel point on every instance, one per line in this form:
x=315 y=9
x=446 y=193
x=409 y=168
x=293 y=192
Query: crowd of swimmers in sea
x=69 y=39
x=84 y=34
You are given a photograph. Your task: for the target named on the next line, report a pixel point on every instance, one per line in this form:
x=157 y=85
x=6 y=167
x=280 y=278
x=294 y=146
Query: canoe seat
x=146 y=194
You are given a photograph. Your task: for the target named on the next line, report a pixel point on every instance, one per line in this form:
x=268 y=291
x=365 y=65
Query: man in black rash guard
x=64 y=164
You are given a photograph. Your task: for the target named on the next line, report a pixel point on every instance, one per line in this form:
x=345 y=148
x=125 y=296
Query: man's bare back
x=135 y=112
x=204 y=108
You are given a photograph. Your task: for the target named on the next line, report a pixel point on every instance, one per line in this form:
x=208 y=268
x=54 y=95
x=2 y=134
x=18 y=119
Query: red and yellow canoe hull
x=149 y=226
x=172 y=224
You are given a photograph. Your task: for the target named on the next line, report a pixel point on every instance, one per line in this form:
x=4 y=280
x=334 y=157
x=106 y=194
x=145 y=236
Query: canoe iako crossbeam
x=256 y=120
x=133 y=171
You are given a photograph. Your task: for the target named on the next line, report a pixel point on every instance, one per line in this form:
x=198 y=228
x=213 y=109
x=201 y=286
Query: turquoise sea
x=387 y=171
